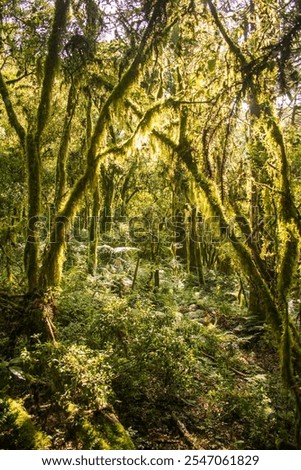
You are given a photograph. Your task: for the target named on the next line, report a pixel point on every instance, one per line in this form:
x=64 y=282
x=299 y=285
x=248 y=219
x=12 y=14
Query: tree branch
x=18 y=79
x=12 y=117
x=126 y=80
x=144 y=121
x=51 y=62
x=232 y=46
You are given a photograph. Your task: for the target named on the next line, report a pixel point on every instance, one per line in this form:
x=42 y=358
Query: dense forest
x=150 y=181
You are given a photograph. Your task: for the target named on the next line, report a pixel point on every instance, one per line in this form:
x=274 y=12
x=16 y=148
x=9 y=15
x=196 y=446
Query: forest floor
x=184 y=367
x=216 y=417
x=191 y=368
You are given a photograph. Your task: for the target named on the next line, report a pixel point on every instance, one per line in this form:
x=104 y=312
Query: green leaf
x=17 y=372
x=211 y=64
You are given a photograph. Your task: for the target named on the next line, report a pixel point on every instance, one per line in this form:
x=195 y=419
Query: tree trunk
x=94 y=229
x=195 y=260
x=180 y=238
x=32 y=247
x=61 y=171
x=107 y=181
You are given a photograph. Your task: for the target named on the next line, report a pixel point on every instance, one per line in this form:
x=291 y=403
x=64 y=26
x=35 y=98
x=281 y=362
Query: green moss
x=18 y=431
x=288 y=263
x=287 y=372
x=116 y=434
x=91 y=437
x=100 y=432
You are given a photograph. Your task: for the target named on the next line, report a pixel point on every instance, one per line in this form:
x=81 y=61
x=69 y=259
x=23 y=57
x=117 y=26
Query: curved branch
x=12 y=117
x=126 y=81
x=144 y=122
x=232 y=46
x=18 y=79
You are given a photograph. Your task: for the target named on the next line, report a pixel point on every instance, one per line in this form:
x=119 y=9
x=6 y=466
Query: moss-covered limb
x=88 y=119
x=248 y=234
x=127 y=79
x=143 y=124
x=288 y=265
x=289 y=210
x=61 y=177
x=52 y=62
x=101 y=431
x=165 y=139
x=71 y=204
x=12 y=117
x=232 y=45
x=19 y=431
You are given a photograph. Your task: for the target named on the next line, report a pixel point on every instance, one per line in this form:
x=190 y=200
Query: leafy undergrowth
x=183 y=367
x=189 y=368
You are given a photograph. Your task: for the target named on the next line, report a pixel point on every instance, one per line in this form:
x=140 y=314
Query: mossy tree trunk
x=61 y=165
x=31 y=140
x=51 y=270
x=255 y=234
x=181 y=195
x=181 y=236
x=195 y=257
x=129 y=188
x=94 y=228
x=32 y=247
x=108 y=191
